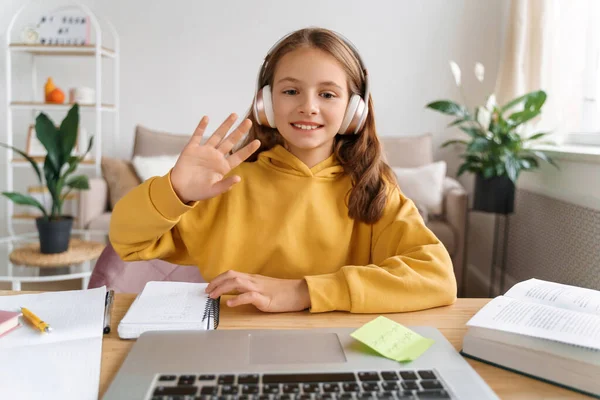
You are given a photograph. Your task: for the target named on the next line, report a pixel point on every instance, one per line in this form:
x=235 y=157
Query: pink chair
x=131 y=277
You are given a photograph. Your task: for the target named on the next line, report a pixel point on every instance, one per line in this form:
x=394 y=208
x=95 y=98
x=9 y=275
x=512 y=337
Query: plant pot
x=494 y=195
x=54 y=234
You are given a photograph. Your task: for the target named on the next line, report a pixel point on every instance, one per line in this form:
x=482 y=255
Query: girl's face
x=310 y=96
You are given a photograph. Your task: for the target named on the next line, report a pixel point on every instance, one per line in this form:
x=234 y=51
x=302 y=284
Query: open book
x=63 y=364
x=546 y=330
x=165 y=306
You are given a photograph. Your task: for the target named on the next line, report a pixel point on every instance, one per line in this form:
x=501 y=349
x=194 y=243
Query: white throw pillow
x=424 y=185
x=147 y=167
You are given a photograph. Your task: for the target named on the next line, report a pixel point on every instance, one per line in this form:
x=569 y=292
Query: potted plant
x=59 y=166
x=497 y=151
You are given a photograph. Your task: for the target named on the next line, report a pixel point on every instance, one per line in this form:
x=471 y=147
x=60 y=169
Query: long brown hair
x=360 y=155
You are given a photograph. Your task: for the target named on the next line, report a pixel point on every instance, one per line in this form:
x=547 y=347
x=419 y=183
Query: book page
x=539 y=320
x=557 y=295
x=72 y=315
x=168 y=303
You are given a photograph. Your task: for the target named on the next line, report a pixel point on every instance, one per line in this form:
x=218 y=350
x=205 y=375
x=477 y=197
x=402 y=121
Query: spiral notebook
x=167 y=306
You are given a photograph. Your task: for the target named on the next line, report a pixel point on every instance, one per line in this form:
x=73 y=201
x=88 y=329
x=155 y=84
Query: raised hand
x=200 y=168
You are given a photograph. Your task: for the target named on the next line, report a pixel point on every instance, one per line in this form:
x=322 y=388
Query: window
x=589 y=128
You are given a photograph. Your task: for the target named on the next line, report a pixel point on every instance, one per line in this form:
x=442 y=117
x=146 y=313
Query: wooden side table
x=79 y=252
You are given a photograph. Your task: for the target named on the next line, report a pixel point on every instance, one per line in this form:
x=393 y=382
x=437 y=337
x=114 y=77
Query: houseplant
x=496 y=151
x=58 y=174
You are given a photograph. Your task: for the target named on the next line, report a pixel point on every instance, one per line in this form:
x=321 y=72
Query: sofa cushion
x=424 y=185
x=147 y=167
x=408 y=151
x=120 y=178
x=150 y=142
x=444 y=232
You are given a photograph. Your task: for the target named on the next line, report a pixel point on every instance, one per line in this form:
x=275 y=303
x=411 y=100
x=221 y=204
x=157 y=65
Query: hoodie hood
x=280 y=159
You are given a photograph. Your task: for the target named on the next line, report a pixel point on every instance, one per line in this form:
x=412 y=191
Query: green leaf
x=448 y=107
x=463 y=168
x=68 y=132
x=473 y=132
x=537 y=136
x=543 y=156
x=48 y=135
x=500 y=170
x=25 y=200
x=31 y=160
x=479 y=145
x=529 y=163
x=521 y=117
x=449 y=142
x=535 y=100
x=90 y=144
x=54 y=187
x=512 y=167
x=458 y=121
x=79 y=182
x=531 y=99
x=489 y=172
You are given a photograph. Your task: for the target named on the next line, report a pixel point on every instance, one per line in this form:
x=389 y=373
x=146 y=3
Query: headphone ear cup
x=268 y=104
x=350 y=115
x=263 y=107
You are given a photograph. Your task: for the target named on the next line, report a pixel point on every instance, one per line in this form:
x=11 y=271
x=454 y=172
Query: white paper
x=538 y=320
x=167 y=306
x=557 y=295
x=63 y=364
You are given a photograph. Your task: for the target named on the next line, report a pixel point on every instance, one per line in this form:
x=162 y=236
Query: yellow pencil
x=35 y=320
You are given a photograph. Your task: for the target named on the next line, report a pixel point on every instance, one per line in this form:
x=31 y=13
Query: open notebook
x=167 y=306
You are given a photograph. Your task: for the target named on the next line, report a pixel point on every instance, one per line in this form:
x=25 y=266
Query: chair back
x=131 y=277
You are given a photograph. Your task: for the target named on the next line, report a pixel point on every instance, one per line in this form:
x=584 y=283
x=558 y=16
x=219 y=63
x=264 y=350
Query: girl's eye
x=328 y=95
x=291 y=92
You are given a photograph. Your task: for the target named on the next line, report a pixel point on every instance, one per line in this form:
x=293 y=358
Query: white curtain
x=545 y=48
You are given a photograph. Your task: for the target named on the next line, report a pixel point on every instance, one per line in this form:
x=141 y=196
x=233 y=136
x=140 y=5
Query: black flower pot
x=494 y=195
x=54 y=234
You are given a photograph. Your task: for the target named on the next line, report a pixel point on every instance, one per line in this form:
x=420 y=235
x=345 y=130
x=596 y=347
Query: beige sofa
x=414 y=151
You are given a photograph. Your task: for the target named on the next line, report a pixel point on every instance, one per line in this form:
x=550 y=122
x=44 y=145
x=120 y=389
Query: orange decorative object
x=56 y=96
x=48 y=88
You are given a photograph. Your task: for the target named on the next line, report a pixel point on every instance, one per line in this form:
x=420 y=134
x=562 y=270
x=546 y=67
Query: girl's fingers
x=221 y=131
x=258 y=300
x=226 y=145
x=222 y=278
x=242 y=154
x=225 y=184
x=197 y=135
x=238 y=283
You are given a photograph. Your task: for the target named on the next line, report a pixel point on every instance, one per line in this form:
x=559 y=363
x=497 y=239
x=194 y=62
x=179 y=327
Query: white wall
x=183 y=59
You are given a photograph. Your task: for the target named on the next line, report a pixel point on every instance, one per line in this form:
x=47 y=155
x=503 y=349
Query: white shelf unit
x=98 y=52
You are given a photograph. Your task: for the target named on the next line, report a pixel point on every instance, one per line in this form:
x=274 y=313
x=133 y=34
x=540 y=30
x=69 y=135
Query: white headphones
x=356 y=112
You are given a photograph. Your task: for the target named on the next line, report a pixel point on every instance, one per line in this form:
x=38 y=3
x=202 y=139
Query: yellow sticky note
x=392 y=340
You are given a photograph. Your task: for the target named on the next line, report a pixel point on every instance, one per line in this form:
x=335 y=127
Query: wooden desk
x=449 y=320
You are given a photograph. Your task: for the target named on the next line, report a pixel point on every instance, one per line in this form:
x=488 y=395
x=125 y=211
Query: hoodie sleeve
x=411 y=269
x=143 y=225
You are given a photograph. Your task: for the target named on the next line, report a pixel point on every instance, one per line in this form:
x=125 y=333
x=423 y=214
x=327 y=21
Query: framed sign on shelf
x=34 y=148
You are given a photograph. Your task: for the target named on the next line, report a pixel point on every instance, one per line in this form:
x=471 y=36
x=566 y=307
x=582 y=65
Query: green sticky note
x=392 y=340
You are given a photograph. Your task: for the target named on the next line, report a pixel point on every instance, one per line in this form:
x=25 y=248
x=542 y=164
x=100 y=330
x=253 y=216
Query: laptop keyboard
x=392 y=385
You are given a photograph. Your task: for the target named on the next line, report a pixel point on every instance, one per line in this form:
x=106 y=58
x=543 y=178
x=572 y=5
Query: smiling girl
x=304 y=212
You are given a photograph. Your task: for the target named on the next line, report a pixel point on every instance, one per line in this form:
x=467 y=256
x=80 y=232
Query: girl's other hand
x=200 y=168
x=265 y=293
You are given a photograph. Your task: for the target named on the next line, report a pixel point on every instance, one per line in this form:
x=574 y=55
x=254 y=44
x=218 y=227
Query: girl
x=306 y=213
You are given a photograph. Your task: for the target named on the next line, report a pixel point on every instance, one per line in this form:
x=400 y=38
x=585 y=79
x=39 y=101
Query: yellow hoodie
x=285 y=220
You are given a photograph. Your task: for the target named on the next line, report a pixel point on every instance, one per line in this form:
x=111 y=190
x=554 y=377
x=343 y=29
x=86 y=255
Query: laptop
x=306 y=364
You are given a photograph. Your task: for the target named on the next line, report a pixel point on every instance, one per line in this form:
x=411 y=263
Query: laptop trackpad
x=294 y=348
